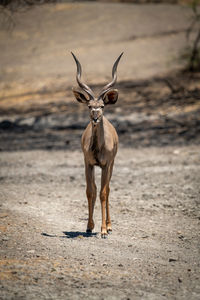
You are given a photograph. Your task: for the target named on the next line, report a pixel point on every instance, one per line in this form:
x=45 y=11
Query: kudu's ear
x=110 y=97
x=80 y=97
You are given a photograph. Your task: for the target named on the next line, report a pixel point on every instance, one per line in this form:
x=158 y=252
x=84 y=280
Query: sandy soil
x=153 y=252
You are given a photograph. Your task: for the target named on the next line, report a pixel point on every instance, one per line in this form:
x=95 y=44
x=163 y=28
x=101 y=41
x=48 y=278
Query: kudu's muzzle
x=96 y=115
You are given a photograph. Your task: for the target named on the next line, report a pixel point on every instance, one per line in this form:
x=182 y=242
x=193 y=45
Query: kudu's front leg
x=91 y=192
x=104 y=194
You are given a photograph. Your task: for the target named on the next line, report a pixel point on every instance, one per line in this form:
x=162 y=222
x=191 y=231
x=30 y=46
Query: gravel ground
x=152 y=253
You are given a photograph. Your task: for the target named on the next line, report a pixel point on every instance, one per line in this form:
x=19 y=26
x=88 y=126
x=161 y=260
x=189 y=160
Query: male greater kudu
x=99 y=144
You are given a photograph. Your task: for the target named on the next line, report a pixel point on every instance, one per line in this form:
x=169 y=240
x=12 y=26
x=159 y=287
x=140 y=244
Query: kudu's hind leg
x=104 y=197
x=91 y=192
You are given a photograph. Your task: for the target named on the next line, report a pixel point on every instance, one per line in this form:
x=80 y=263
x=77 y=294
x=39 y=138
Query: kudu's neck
x=98 y=134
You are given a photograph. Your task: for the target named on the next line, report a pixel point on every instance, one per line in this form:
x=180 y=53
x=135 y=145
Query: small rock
x=14 y=272
x=144 y=236
x=53 y=269
x=80 y=236
x=176 y=152
x=3 y=215
x=30 y=251
x=105 y=264
x=172 y=259
x=5 y=239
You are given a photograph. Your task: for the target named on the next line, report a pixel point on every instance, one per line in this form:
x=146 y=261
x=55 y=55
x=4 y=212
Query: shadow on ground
x=71 y=234
x=157 y=112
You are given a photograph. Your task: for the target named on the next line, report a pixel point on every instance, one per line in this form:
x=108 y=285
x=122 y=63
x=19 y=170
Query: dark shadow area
x=71 y=234
x=50 y=235
x=75 y=234
x=157 y=112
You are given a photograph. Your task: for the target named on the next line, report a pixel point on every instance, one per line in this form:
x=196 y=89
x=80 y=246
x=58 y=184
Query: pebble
x=172 y=259
x=30 y=251
x=3 y=215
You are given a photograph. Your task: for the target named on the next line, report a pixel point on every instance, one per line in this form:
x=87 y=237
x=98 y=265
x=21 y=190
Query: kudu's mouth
x=95 y=121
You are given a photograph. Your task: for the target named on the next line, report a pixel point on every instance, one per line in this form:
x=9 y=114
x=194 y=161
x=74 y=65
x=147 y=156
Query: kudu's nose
x=95 y=115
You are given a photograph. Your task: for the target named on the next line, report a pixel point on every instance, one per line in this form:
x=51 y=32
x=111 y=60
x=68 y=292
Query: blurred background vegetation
x=192 y=53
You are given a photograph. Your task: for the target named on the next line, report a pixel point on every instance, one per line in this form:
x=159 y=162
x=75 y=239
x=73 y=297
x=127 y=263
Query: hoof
x=104 y=235
x=89 y=231
x=109 y=231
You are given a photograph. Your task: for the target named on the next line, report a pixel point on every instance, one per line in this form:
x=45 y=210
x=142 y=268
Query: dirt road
x=153 y=252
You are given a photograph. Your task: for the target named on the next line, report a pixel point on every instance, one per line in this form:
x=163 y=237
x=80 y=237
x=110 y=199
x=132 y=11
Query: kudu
x=99 y=144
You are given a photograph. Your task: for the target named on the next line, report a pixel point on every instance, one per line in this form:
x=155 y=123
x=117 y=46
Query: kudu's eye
x=89 y=106
x=102 y=106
